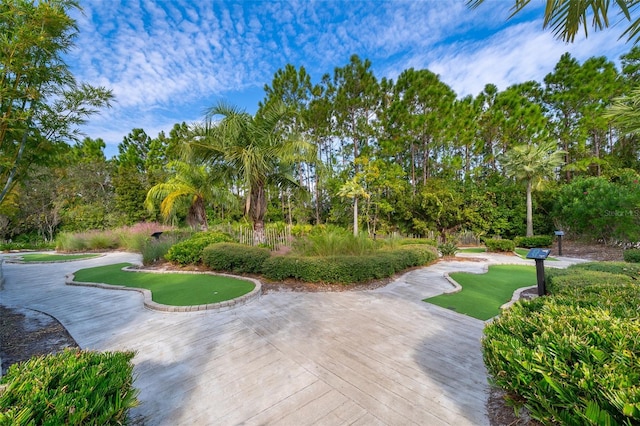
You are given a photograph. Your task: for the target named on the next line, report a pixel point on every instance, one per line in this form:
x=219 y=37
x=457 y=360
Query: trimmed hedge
x=572 y=357
x=499 y=245
x=69 y=388
x=347 y=269
x=189 y=252
x=631 y=255
x=234 y=257
x=534 y=241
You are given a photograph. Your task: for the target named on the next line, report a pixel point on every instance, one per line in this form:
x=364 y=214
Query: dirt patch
x=25 y=333
x=583 y=250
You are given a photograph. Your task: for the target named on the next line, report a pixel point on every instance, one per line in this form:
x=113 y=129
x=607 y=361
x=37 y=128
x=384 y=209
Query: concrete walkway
x=348 y=358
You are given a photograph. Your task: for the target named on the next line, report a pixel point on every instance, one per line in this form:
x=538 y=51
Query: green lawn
x=170 y=289
x=482 y=295
x=48 y=257
x=473 y=250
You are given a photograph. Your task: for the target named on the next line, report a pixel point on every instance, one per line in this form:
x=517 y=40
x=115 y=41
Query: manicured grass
x=473 y=250
x=170 y=289
x=483 y=294
x=522 y=252
x=47 y=257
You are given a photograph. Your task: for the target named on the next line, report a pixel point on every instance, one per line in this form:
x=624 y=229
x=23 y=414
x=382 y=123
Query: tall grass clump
x=334 y=242
x=130 y=238
x=69 y=388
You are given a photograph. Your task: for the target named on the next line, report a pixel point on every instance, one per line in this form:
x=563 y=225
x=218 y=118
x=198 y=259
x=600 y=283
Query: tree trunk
x=529 y=210
x=257 y=210
x=355 y=216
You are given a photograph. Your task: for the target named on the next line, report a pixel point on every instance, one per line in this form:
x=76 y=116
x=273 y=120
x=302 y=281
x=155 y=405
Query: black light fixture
x=539 y=255
x=559 y=234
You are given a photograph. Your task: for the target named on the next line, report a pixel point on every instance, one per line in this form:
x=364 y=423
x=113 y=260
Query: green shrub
x=499 y=245
x=620 y=268
x=571 y=365
x=69 y=388
x=572 y=356
x=347 y=269
x=535 y=241
x=189 y=251
x=334 y=242
x=448 y=249
x=631 y=255
x=233 y=257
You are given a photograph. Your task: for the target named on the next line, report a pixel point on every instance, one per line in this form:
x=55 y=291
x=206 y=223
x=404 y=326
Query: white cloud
x=167 y=59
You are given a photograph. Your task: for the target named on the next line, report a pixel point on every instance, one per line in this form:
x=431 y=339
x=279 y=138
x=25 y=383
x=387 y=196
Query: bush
x=572 y=356
x=69 y=388
x=334 y=242
x=570 y=364
x=233 y=257
x=535 y=241
x=448 y=249
x=189 y=252
x=347 y=269
x=499 y=245
x=631 y=255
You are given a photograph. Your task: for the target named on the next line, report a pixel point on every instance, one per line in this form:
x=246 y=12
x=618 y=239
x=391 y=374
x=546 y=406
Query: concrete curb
x=150 y=304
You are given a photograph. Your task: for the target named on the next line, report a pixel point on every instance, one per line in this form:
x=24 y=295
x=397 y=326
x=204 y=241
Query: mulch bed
x=25 y=333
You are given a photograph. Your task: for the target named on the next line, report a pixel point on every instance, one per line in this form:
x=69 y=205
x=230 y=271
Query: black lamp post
x=559 y=234
x=539 y=255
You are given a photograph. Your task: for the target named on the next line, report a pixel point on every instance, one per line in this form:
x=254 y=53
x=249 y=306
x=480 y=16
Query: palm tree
x=255 y=149
x=190 y=188
x=353 y=189
x=566 y=17
x=625 y=112
x=532 y=163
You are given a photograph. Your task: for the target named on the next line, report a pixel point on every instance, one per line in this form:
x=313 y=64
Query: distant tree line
x=349 y=148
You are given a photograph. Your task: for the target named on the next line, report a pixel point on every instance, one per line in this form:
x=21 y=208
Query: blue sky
x=168 y=60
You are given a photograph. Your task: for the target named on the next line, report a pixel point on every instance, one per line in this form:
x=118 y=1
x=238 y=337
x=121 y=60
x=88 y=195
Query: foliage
x=42 y=103
x=449 y=248
x=334 y=242
x=534 y=164
x=534 y=241
x=237 y=258
x=347 y=269
x=71 y=388
x=572 y=357
x=189 y=252
x=253 y=149
x=131 y=238
x=571 y=365
x=631 y=255
x=566 y=18
x=499 y=245
x=601 y=208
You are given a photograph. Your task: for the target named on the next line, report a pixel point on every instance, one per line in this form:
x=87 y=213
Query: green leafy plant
x=334 y=242
x=631 y=255
x=499 y=245
x=69 y=388
x=233 y=257
x=347 y=269
x=189 y=252
x=571 y=357
x=448 y=249
x=534 y=241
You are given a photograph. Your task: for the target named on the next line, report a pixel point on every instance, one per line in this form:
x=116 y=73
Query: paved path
x=348 y=358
